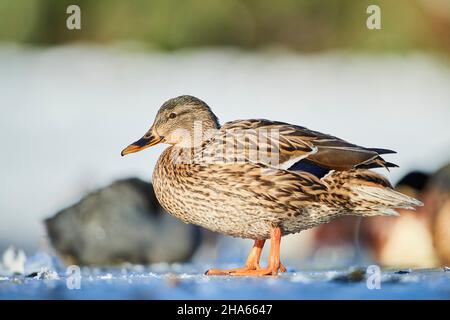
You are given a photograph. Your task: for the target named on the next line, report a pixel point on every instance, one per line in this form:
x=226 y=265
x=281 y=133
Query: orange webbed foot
x=246 y=271
x=252 y=267
x=269 y=271
x=228 y=272
x=256 y=273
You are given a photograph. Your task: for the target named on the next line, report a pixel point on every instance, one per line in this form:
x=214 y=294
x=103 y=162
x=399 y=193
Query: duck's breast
x=195 y=194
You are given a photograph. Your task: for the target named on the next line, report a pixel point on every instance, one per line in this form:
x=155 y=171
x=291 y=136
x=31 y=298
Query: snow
x=187 y=281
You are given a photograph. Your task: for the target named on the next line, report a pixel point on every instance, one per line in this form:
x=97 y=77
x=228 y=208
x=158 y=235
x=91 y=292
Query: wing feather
x=292 y=143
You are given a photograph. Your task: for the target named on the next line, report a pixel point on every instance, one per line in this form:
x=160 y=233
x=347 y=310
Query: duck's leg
x=274 y=264
x=251 y=264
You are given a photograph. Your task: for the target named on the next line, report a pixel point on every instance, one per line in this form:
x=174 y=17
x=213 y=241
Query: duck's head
x=183 y=121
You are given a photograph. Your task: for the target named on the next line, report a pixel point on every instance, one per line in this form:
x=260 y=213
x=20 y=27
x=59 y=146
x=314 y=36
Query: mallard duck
x=261 y=179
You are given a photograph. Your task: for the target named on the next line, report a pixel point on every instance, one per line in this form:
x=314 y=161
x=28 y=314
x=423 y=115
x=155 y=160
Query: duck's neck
x=200 y=133
x=192 y=152
x=175 y=156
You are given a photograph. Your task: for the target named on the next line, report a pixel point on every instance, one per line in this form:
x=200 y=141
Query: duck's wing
x=296 y=147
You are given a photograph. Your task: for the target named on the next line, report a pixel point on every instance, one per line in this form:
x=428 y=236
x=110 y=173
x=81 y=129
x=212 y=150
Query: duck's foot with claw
x=246 y=271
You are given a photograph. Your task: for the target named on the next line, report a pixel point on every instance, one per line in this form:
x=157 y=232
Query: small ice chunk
x=107 y=276
x=47 y=274
x=298 y=277
x=330 y=275
x=13 y=261
x=38 y=262
x=407 y=278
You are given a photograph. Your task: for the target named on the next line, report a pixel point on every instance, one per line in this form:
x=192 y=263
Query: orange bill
x=150 y=139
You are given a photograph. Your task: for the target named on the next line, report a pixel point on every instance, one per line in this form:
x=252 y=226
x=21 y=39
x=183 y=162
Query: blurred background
x=71 y=100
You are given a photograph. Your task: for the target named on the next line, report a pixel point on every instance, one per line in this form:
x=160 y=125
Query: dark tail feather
x=390 y=165
x=378 y=163
x=382 y=151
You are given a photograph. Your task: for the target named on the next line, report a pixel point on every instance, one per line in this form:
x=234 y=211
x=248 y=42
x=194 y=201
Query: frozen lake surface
x=186 y=281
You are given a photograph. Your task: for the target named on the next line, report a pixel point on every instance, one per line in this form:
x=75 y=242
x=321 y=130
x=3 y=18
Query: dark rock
x=354 y=275
x=122 y=222
x=32 y=275
x=403 y=271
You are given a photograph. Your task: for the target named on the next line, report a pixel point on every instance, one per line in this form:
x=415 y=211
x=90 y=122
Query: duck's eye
x=173 y=115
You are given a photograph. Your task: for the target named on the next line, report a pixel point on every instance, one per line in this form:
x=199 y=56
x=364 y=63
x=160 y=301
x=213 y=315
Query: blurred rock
x=439 y=190
x=413 y=183
x=122 y=222
x=406 y=240
x=353 y=275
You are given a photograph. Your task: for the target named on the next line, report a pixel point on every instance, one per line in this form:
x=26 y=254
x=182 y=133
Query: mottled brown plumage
x=275 y=179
